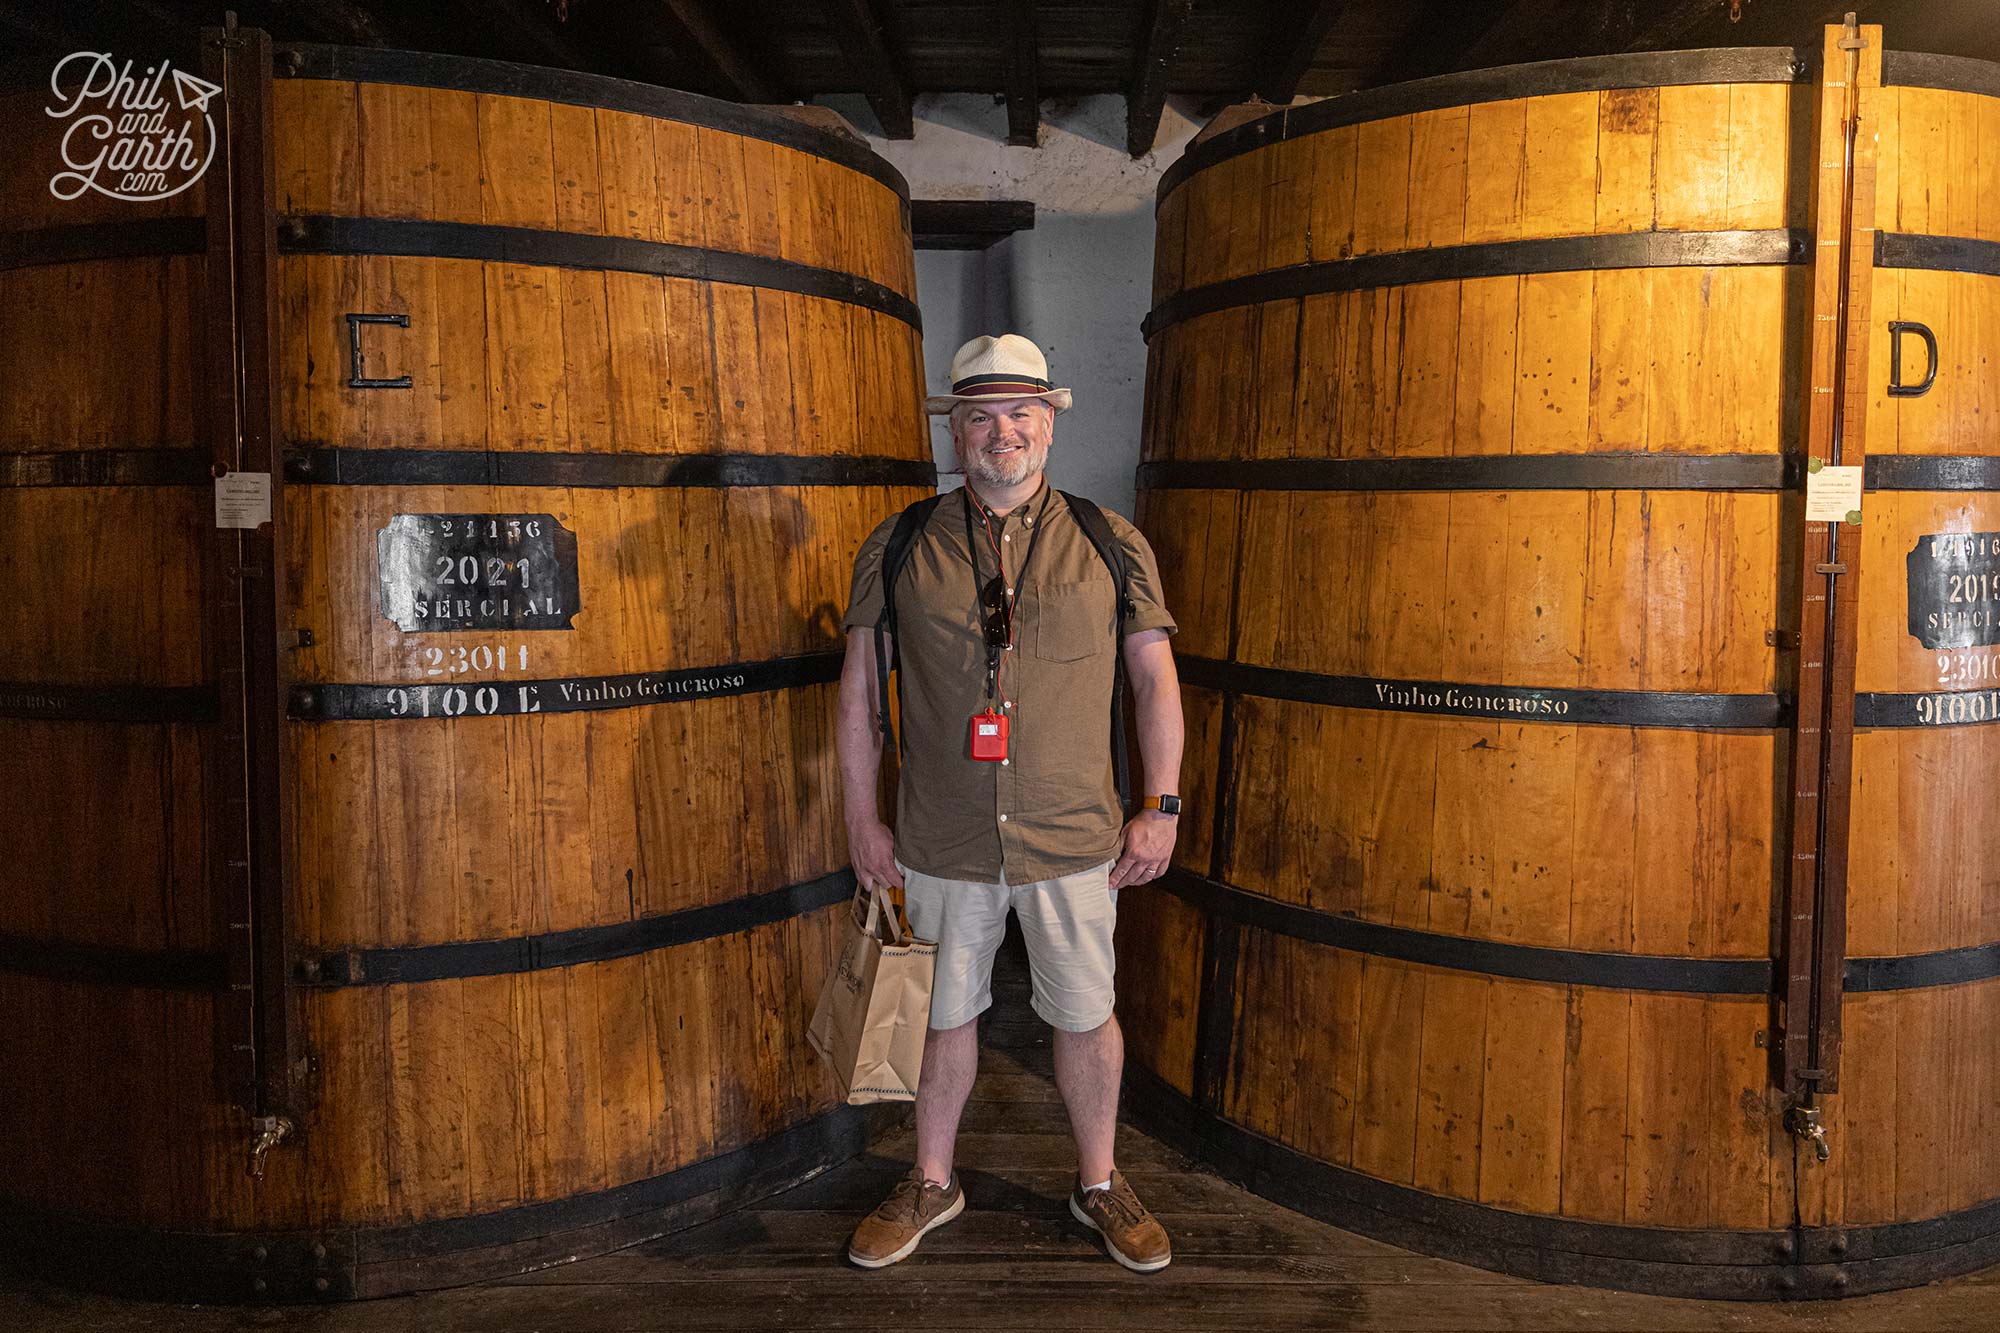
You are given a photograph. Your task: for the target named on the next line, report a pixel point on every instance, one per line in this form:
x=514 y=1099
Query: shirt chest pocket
x=1073 y=620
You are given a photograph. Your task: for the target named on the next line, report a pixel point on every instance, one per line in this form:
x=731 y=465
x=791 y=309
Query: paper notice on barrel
x=1833 y=495
x=243 y=500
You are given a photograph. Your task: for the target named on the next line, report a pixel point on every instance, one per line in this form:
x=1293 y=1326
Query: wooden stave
x=1916 y=881
x=1973 y=1241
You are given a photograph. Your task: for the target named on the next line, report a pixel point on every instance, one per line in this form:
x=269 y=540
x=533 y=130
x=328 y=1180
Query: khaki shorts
x=1067 y=923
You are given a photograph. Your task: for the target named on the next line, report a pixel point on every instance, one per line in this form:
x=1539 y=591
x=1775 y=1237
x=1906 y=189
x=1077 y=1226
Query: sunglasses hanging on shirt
x=988 y=739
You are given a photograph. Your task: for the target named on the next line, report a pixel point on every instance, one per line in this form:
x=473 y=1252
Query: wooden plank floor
x=1016 y=1259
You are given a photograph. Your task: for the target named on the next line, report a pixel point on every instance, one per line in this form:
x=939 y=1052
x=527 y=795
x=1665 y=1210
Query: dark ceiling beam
x=1670 y=26
x=42 y=29
x=1152 y=65
x=1448 y=35
x=528 y=30
x=338 y=21
x=1024 y=82
x=1298 y=29
x=859 y=33
x=691 y=28
x=1563 y=29
x=967 y=224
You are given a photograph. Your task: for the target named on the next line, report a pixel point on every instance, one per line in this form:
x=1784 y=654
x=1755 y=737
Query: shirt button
x=1010 y=592
x=1003 y=819
x=1008 y=537
x=1008 y=704
x=1003 y=764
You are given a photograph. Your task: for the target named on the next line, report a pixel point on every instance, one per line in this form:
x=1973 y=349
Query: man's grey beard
x=1011 y=471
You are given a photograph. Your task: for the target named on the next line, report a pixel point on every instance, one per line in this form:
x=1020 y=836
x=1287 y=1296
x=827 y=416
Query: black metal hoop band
x=1472 y=472
x=1512 y=703
x=1492 y=259
x=1959 y=74
x=1525 y=962
x=324 y=234
x=342 y=466
x=500 y=697
x=142 y=238
x=105 y=467
x=40 y=702
x=1950 y=254
x=1938 y=708
x=140 y=969
x=568 y=948
x=1564 y=967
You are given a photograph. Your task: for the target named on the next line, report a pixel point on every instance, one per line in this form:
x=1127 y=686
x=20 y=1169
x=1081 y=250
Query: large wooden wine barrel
x=471 y=831
x=1476 y=417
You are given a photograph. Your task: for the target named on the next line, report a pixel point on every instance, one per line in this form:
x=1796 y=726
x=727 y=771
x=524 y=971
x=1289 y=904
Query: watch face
x=1170 y=805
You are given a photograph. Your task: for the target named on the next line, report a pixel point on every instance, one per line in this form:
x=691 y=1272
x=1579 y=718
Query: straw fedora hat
x=1008 y=366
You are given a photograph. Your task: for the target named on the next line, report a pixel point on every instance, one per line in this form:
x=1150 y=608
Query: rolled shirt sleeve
x=1142 y=573
x=864 y=596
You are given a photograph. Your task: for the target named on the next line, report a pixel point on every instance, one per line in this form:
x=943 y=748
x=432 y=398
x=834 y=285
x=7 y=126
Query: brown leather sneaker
x=892 y=1231
x=1134 y=1236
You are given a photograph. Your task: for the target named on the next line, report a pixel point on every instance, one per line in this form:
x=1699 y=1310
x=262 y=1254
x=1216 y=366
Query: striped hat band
x=999 y=386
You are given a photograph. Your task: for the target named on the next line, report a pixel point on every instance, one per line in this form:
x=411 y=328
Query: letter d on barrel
x=1898 y=389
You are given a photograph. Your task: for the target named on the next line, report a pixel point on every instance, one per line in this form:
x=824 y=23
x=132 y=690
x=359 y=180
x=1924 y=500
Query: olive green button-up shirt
x=1051 y=807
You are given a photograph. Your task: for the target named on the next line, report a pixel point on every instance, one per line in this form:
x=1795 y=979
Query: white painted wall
x=1078 y=284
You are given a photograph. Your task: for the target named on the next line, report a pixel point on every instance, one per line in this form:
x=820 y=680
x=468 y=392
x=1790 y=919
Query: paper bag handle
x=880 y=906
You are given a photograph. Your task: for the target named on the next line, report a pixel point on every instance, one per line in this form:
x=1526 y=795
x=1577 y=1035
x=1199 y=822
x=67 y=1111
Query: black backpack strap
x=895 y=555
x=1098 y=529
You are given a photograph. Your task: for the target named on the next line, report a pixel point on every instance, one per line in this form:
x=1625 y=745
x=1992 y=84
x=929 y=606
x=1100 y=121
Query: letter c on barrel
x=359 y=379
x=1898 y=389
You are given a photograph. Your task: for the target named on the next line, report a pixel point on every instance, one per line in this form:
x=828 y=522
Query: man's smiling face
x=1003 y=442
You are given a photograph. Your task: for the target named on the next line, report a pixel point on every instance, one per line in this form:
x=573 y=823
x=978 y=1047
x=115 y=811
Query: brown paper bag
x=876 y=1005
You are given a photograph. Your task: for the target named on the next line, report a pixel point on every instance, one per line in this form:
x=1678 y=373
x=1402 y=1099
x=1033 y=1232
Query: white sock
x=1105 y=1186
x=947 y=1181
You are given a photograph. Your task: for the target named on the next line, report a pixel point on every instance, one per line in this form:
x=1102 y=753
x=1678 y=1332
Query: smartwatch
x=1166 y=805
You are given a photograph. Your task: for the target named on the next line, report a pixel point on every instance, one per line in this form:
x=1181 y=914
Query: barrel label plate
x=1954 y=582
x=478 y=571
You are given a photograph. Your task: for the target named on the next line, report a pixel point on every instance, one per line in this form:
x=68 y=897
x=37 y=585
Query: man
x=1008 y=632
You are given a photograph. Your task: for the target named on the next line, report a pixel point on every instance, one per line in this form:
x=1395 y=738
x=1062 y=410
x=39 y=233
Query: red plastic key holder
x=989 y=736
